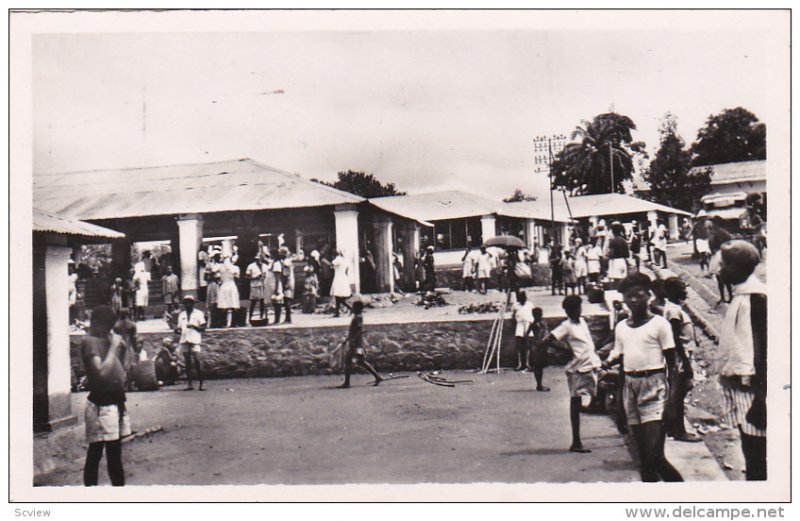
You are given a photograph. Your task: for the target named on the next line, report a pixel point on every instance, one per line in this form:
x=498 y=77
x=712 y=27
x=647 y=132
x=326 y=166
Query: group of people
x=653 y=342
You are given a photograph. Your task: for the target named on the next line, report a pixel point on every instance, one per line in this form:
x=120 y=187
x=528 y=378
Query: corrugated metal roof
x=584 y=206
x=48 y=223
x=241 y=184
x=453 y=204
x=740 y=172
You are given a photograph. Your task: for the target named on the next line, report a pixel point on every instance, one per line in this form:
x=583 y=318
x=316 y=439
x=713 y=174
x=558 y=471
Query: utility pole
x=545 y=150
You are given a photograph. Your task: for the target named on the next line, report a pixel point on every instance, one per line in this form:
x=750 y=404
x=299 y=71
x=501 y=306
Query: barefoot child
x=644 y=341
x=356 y=354
x=538 y=333
x=582 y=369
x=104 y=352
x=522 y=313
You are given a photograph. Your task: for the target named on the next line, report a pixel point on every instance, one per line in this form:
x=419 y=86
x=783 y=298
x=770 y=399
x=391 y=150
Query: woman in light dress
x=593 y=255
x=228 y=297
x=581 y=266
x=340 y=288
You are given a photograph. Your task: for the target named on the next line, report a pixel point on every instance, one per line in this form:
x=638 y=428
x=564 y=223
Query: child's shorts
x=582 y=384
x=186 y=347
x=105 y=423
x=645 y=398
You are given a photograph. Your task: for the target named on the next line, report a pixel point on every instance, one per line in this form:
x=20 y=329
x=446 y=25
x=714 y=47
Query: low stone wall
x=265 y=352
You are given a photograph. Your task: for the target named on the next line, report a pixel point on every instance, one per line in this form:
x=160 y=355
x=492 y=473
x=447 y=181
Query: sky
x=427 y=110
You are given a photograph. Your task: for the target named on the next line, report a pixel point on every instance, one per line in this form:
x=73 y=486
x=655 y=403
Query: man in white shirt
x=646 y=346
x=660 y=244
x=191 y=324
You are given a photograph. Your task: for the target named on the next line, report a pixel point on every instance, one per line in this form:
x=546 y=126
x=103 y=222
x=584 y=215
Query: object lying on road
x=432 y=378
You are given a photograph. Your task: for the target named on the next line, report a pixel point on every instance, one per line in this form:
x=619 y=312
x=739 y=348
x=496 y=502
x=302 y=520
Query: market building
x=240 y=200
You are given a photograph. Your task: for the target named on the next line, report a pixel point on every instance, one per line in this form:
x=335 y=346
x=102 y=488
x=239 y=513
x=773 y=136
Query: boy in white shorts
x=522 y=313
x=191 y=323
x=582 y=369
x=645 y=345
x=103 y=352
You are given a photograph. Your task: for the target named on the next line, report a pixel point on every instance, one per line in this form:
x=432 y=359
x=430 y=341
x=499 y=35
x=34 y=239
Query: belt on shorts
x=647 y=372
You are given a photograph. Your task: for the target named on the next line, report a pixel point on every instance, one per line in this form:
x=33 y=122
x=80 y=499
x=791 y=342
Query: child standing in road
x=538 y=333
x=356 y=353
x=582 y=369
x=522 y=313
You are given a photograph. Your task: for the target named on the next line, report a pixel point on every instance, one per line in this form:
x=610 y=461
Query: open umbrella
x=505 y=241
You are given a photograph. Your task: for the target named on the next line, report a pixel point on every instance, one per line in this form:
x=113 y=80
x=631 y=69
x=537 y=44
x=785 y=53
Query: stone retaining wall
x=265 y=352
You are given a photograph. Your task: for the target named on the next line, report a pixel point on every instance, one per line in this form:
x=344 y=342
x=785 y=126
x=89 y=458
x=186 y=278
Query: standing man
x=645 y=345
x=104 y=357
x=742 y=355
x=170 y=288
x=191 y=324
x=255 y=273
x=660 y=244
x=430 y=273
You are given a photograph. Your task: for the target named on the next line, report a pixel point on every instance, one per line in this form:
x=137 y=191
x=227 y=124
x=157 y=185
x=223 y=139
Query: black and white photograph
x=411 y=255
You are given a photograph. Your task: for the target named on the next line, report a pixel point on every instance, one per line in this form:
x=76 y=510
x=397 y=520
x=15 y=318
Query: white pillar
x=673 y=226
x=410 y=252
x=652 y=219
x=530 y=233
x=488 y=228
x=346 y=217
x=382 y=233
x=190 y=236
x=564 y=236
x=58 y=367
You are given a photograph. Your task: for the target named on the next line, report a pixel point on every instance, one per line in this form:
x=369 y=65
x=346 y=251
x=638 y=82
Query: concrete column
x=410 y=251
x=673 y=226
x=121 y=255
x=382 y=233
x=488 y=228
x=565 y=235
x=52 y=369
x=346 y=217
x=530 y=233
x=652 y=219
x=190 y=236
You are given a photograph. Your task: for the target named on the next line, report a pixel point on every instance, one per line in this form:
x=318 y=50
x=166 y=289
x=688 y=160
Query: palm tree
x=602 y=158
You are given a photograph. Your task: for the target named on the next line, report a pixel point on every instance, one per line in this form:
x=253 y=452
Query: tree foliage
x=585 y=167
x=671 y=181
x=728 y=137
x=360 y=183
x=519 y=196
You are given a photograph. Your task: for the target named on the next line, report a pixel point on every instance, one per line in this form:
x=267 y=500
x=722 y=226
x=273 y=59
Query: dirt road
x=303 y=430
